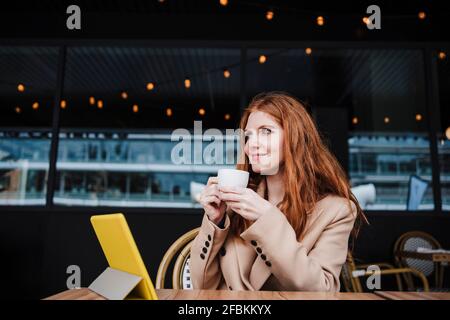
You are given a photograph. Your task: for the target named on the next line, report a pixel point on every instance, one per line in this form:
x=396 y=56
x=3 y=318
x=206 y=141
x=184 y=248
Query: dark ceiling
x=239 y=20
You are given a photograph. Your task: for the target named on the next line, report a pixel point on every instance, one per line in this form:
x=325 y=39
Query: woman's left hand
x=245 y=202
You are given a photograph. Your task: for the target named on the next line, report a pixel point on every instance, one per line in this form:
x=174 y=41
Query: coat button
x=207 y=244
x=259 y=250
x=223 y=251
x=268 y=264
x=263 y=256
x=209 y=237
x=204 y=250
x=202 y=256
x=254 y=243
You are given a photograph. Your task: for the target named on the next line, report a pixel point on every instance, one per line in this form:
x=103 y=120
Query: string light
x=124 y=95
x=447 y=133
x=150 y=86
x=91 y=101
x=320 y=21
x=418 y=117
x=227 y=116
x=201 y=111
x=226 y=73
x=262 y=59
x=269 y=15
x=169 y=112
x=422 y=15
x=20 y=87
x=366 y=20
x=63 y=104
x=355 y=120
x=223 y=2
x=18 y=109
x=100 y=104
x=135 y=108
x=308 y=51
x=386 y=120
x=187 y=83
x=35 y=105
x=442 y=55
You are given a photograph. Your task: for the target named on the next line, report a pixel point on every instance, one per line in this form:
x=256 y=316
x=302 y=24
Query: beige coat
x=268 y=256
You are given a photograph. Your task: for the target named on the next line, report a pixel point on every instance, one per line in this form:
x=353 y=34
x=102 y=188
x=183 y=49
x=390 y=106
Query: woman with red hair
x=289 y=229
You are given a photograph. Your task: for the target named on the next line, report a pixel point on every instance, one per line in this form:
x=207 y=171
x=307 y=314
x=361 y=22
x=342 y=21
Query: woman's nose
x=253 y=143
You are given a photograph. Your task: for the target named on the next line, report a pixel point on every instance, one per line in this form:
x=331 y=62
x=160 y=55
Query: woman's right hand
x=209 y=199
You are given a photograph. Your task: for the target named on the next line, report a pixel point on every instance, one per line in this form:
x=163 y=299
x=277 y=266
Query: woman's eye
x=266 y=130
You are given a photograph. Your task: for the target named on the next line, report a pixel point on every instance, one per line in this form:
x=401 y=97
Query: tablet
x=121 y=251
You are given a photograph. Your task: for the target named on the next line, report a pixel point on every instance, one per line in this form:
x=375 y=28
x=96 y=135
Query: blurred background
x=86 y=117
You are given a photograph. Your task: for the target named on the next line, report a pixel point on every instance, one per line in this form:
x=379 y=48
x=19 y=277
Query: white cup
x=233 y=178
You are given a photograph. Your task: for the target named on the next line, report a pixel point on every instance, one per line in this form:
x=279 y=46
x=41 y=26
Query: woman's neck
x=275 y=187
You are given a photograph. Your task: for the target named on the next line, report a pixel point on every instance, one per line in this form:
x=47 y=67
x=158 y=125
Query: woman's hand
x=245 y=202
x=209 y=199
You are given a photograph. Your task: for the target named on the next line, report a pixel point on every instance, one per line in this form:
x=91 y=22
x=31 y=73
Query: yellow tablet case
x=122 y=253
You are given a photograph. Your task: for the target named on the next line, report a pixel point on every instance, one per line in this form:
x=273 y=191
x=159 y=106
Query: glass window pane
x=444 y=126
x=27 y=89
x=381 y=94
x=122 y=104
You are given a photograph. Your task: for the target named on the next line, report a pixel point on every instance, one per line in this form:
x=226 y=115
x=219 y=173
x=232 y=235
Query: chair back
x=181 y=278
x=409 y=243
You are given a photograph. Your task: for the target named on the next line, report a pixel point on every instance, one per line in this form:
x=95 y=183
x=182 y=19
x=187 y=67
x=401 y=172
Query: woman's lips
x=257 y=157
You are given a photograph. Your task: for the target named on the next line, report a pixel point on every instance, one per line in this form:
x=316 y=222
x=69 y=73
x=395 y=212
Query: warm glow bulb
x=20 y=87
x=269 y=15
x=124 y=95
x=100 y=104
x=386 y=120
x=135 y=108
x=320 y=21
x=366 y=20
x=35 y=106
x=422 y=15
x=442 y=55
x=18 y=110
x=201 y=111
x=227 y=116
x=223 y=2
x=447 y=133
x=63 y=104
x=262 y=59
x=226 y=73
x=355 y=120
x=418 y=117
x=91 y=101
x=308 y=51
x=169 y=112
x=150 y=86
x=187 y=83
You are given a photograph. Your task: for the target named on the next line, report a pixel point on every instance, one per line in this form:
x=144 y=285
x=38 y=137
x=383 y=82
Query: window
x=121 y=106
x=443 y=135
x=381 y=93
x=27 y=88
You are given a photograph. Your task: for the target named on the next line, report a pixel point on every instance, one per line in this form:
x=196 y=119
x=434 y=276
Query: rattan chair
x=180 y=275
x=407 y=244
x=351 y=274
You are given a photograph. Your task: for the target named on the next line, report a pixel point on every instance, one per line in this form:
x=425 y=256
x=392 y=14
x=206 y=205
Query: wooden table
x=171 y=294
x=404 y=295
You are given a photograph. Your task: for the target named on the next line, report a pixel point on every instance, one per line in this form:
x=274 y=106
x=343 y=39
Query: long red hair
x=310 y=171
